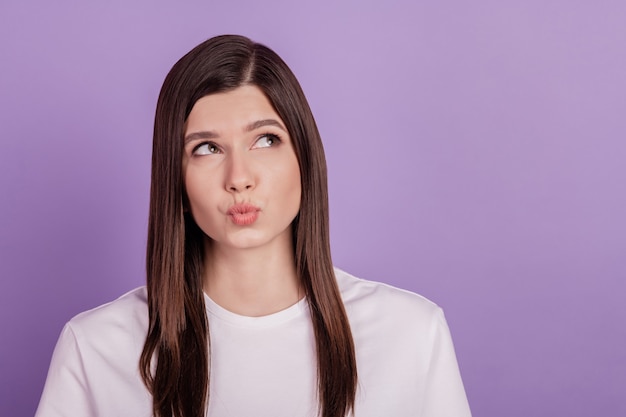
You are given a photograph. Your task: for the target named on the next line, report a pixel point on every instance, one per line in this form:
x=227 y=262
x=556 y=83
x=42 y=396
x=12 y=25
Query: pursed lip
x=242 y=208
x=243 y=214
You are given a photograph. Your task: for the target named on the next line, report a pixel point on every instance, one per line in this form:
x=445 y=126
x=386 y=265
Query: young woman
x=243 y=313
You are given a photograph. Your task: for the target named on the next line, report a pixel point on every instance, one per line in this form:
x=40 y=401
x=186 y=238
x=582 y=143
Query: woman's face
x=241 y=173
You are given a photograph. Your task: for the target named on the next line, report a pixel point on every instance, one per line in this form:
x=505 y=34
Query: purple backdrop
x=476 y=153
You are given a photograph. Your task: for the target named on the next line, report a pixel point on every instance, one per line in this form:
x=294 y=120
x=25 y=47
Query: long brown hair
x=175 y=361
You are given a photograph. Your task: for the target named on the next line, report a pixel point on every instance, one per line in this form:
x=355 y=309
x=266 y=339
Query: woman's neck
x=252 y=282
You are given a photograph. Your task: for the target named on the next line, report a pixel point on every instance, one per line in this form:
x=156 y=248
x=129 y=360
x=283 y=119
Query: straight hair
x=174 y=364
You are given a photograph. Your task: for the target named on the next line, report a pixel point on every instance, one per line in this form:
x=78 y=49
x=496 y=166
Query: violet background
x=476 y=153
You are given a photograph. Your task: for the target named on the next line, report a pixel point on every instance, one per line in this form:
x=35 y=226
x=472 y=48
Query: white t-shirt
x=266 y=366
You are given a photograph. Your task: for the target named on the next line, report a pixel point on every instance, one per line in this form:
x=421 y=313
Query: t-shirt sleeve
x=444 y=395
x=66 y=392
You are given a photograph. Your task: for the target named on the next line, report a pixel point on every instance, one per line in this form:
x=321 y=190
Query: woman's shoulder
x=404 y=350
x=357 y=289
x=383 y=301
x=95 y=362
x=128 y=314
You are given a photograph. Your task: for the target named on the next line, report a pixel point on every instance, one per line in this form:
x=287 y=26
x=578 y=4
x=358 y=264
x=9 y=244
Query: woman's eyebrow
x=266 y=122
x=208 y=134
x=200 y=135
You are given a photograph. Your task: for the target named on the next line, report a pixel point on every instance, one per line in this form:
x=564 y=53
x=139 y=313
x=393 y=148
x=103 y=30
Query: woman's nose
x=239 y=175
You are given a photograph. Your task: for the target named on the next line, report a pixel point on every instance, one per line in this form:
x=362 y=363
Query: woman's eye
x=266 y=141
x=206 y=149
